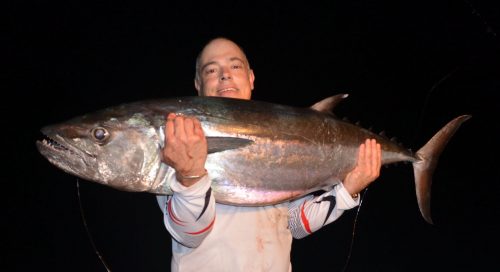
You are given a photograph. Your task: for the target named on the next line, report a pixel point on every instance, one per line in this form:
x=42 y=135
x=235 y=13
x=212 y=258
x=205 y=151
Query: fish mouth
x=53 y=144
x=56 y=145
x=66 y=156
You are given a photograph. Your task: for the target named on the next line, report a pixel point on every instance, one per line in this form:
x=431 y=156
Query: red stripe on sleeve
x=172 y=215
x=203 y=230
x=304 y=219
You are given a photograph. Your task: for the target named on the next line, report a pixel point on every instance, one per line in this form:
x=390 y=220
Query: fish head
x=114 y=149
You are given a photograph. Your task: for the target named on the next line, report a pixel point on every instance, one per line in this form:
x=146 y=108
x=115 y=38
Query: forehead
x=221 y=50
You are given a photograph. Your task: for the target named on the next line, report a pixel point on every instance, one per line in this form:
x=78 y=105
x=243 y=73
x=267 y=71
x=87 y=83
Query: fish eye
x=100 y=134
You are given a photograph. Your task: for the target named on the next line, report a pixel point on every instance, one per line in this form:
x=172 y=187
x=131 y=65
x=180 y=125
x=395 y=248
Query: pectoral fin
x=218 y=144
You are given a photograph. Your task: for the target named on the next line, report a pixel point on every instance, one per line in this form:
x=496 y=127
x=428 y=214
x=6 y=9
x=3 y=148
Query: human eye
x=237 y=66
x=210 y=70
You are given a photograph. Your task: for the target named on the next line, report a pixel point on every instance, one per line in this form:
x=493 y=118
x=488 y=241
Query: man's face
x=224 y=71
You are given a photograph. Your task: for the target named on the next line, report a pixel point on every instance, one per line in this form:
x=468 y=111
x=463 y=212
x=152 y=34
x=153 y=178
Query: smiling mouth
x=227 y=90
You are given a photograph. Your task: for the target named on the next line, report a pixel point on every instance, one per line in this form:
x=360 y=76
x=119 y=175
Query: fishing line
x=419 y=125
x=489 y=30
x=426 y=102
x=89 y=235
x=362 y=197
x=487 y=26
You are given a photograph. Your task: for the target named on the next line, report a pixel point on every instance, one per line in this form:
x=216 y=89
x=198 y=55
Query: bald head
x=222 y=69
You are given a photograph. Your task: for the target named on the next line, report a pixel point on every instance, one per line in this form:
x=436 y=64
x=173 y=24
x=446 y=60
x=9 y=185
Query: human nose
x=225 y=74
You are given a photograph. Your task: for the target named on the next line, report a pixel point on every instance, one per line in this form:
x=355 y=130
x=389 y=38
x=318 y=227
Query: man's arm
x=309 y=214
x=190 y=212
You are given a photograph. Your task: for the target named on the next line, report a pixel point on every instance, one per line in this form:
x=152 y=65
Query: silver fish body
x=259 y=153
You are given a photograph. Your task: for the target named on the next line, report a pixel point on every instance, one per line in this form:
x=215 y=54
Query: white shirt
x=207 y=236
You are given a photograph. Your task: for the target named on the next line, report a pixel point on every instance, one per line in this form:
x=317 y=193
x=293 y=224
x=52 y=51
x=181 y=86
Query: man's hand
x=367 y=168
x=185 y=147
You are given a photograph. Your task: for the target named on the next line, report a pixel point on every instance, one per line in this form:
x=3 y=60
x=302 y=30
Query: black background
x=409 y=67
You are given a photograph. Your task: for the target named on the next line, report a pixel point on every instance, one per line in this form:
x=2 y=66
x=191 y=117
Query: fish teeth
x=54 y=144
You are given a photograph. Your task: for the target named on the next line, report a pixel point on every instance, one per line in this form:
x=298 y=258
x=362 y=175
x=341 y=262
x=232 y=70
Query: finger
x=361 y=154
x=373 y=157
x=379 y=158
x=179 y=127
x=169 y=127
x=189 y=126
x=198 y=130
x=368 y=154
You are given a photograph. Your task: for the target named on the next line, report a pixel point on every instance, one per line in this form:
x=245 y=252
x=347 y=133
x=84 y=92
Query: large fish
x=259 y=153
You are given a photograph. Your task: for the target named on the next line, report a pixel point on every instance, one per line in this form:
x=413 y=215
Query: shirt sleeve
x=189 y=213
x=310 y=213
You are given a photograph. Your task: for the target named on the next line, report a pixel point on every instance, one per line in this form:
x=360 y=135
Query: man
x=208 y=236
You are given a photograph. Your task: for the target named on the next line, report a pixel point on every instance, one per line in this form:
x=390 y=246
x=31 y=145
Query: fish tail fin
x=427 y=159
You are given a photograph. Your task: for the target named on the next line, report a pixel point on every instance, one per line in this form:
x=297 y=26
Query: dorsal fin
x=326 y=105
x=218 y=144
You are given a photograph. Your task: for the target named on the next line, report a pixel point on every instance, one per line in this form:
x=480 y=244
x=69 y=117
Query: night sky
x=409 y=67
